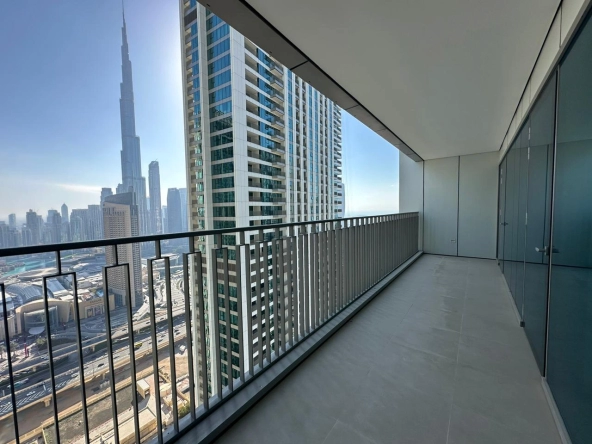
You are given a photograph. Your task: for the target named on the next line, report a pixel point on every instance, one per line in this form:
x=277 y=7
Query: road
x=39 y=386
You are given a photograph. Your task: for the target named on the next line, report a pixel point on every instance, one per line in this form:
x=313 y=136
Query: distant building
x=12 y=221
x=120 y=219
x=104 y=193
x=54 y=222
x=155 y=201
x=33 y=227
x=94 y=227
x=65 y=218
x=131 y=157
x=165 y=219
x=78 y=224
x=4 y=235
x=174 y=220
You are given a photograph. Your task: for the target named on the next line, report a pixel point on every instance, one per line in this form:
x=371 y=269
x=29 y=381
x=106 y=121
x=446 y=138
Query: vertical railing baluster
x=155 y=367
x=292 y=301
x=9 y=361
x=258 y=246
x=338 y=275
x=171 y=346
x=273 y=288
x=190 y=340
x=108 y=339
x=314 y=278
x=239 y=303
x=301 y=285
x=201 y=313
x=131 y=341
x=50 y=357
x=283 y=302
x=267 y=290
x=228 y=321
x=249 y=305
x=308 y=292
x=215 y=344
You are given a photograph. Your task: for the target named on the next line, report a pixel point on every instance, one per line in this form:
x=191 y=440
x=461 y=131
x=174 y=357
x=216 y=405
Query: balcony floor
x=438 y=357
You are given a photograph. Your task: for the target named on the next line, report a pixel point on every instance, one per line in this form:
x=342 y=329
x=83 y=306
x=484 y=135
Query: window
x=223 y=153
x=219 y=79
x=213 y=21
x=220 y=94
x=218 y=33
x=225 y=196
x=224 y=212
x=225 y=182
x=222 y=224
x=221 y=124
x=221 y=109
x=222 y=168
x=267 y=143
x=218 y=48
x=221 y=139
x=219 y=64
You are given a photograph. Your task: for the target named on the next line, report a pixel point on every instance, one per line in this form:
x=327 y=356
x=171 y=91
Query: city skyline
x=91 y=135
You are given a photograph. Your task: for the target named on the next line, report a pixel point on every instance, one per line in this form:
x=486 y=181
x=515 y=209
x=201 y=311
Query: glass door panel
x=501 y=213
x=536 y=271
x=569 y=354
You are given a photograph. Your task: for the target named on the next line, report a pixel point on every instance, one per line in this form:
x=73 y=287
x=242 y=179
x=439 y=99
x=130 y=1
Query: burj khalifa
x=131 y=157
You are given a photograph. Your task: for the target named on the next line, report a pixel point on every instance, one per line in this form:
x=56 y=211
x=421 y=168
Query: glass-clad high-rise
x=262 y=146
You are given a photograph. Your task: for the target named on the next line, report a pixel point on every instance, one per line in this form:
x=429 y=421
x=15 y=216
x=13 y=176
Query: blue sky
x=59 y=112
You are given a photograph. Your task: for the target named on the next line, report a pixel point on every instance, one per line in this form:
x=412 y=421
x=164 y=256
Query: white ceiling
x=443 y=75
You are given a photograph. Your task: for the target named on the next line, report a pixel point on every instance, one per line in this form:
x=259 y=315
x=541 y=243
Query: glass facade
x=545 y=233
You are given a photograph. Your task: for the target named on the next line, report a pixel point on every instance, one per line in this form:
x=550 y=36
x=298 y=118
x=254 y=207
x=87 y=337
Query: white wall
x=411 y=180
x=457 y=199
x=477 y=210
x=440 y=220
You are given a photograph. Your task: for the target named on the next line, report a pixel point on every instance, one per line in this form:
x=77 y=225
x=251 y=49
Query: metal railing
x=220 y=306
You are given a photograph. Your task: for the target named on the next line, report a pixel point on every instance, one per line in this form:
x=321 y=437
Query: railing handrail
x=66 y=246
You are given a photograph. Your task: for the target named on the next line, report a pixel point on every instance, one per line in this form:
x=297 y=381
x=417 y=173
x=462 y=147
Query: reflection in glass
x=570 y=318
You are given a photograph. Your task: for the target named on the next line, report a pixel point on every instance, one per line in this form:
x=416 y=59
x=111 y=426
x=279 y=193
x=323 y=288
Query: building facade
x=155 y=201
x=131 y=158
x=120 y=219
x=174 y=213
x=262 y=146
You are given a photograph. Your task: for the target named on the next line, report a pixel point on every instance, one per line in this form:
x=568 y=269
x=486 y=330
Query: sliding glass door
x=538 y=232
x=569 y=354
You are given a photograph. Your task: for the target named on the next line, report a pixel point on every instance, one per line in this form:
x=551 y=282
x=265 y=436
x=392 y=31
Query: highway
x=39 y=385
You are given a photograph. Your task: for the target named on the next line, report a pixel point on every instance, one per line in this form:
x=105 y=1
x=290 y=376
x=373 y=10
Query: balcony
x=277 y=110
x=276 y=96
x=291 y=278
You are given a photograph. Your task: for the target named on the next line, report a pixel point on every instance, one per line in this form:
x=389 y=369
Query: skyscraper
x=33 y=227
x=12 y=221
x=174 y=220
x=79 y=224
x=64 y=210
x=54 y=222
x=120 y=219
x=131 y=159
x=94 y=227
x=155 y=202
x=104 y=193
x=262 y=146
